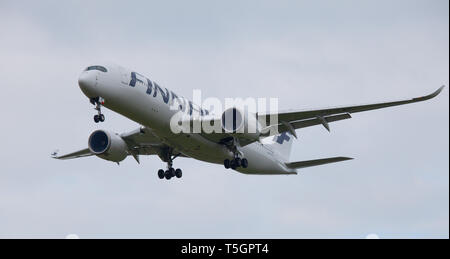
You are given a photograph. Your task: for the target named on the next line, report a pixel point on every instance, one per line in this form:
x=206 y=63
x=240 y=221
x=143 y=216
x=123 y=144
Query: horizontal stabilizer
x=309 y=163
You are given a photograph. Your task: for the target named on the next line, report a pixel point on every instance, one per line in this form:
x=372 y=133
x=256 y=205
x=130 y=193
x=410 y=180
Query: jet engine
x=241 y=124
x=108 y=146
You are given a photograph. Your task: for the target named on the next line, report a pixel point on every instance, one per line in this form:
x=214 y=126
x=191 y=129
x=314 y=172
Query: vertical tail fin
x=283 y=145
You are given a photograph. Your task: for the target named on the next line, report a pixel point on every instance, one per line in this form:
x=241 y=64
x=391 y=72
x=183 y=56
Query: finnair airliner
x=145 y=102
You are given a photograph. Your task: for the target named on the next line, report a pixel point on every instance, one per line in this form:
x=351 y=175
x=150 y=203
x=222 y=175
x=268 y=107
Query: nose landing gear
x=99 y=118
x=98 y=102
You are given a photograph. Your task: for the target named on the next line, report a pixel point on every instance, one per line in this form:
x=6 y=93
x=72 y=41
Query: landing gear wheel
x=161 y=174
x=233 y=164
x=168 y=157
x=226 y=163
x=96 y=118
x=237 y=162
x=178 y=173
x=171 y=172
x=244 y=163
x=167 y=175
x=101 y=117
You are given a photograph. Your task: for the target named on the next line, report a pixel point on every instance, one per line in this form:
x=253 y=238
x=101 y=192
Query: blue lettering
x=165 y=95
x=134 y=79
x=191 y=107
x=149 y=86
x=178 y=99
x=281 y=138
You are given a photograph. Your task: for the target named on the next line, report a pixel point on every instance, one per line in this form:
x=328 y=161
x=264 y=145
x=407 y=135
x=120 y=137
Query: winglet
x=430 y=96
x=438 y=91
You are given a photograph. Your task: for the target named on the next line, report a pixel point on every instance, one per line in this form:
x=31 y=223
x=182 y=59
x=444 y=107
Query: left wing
x=291 y=120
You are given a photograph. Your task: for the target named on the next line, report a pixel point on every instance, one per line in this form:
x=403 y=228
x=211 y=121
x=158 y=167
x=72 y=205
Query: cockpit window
x=99 y=68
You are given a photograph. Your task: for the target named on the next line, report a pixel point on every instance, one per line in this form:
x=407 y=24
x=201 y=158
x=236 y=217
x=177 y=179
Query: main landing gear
x=235 y=163
x=98 y=102
x=170 y=172
x=238 y=161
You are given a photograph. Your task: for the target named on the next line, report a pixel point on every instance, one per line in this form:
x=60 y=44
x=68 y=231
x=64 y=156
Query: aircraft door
x=124 y=76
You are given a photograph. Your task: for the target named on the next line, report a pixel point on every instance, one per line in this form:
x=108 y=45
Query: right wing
x=142 y=141
x=139 y=142
x=81 y=153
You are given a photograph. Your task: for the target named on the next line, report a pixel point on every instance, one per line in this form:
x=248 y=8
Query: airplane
x=142 y=100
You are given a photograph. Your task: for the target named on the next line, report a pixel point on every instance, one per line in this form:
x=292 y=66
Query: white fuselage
x=142 y=106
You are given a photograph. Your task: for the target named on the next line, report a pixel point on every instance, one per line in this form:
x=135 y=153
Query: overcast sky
x=309 y=54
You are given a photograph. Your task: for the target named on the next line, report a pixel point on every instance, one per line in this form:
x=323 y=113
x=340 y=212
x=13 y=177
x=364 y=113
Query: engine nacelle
x=108 y=146
x=240 y=124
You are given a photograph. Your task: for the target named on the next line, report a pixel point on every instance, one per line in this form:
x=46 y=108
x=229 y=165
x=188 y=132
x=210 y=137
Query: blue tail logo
x=281 y=138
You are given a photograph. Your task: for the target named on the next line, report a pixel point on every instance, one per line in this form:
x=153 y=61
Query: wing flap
x=304 y=123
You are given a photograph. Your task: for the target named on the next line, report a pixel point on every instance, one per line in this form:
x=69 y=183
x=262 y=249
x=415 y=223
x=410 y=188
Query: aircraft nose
x=87 y=81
